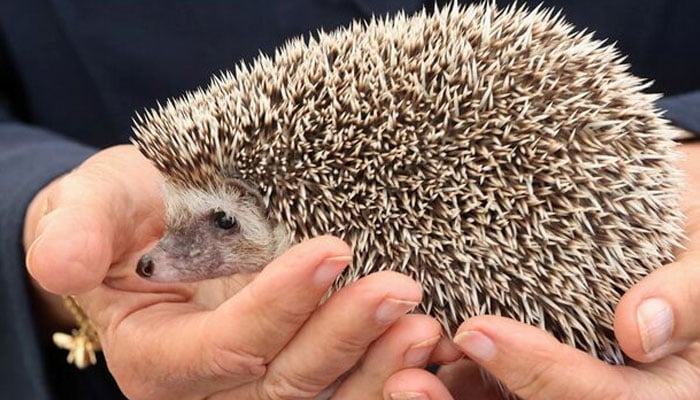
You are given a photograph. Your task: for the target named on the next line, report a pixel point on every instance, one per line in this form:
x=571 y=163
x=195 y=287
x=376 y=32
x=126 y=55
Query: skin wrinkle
x=245 y=365
x=291 y=386
x=667 y=374
x=531 y=383
x=144 y=383
x=286 y=315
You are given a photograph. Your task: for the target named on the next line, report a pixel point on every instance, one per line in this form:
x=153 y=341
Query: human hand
x=657 y=324
x=242 y=338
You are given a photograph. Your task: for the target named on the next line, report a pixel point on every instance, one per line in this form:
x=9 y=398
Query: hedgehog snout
x=186 y=256
x=144 y=268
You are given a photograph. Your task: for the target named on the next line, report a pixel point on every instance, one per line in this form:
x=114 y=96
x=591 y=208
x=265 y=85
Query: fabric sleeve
x=683 y=110
x=29 y=159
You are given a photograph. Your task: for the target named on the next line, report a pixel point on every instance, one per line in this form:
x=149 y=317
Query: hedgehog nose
x=144 y=268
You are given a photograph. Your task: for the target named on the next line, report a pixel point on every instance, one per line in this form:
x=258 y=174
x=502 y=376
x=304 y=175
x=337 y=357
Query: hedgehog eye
x=223 y=220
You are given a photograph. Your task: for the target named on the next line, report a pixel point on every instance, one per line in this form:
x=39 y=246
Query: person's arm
x=30 y=157
x=683 y=110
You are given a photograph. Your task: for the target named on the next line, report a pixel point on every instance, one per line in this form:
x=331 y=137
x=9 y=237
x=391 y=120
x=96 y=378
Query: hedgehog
x=508 y=162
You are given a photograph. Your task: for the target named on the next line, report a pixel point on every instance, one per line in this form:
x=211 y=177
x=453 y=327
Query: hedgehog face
x=210 y=233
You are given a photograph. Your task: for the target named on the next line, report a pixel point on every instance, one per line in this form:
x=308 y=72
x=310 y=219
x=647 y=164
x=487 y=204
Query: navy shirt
x=72 y=73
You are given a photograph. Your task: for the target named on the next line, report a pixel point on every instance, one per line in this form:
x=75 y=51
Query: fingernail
x=330 y=268
x=392 y=309
x=408 y=396
x=419 y=353
x=655 y=323
x=30 y=251
x=45 y=207
x=477 y=345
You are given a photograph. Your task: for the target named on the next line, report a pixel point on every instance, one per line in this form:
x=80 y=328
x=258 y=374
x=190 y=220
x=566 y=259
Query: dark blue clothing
x=72 y=73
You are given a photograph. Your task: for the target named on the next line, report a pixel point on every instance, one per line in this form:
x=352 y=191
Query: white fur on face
x=183 y=205
x=195 y=248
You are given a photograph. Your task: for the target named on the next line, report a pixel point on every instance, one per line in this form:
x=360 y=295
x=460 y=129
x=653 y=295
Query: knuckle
x=279 y=310
x=603 y=390
x=531 y=384
x=76 y=181
x=276 y=308
x=348 y=344
x=236 y=365
x=538 y=384
x=291 y=386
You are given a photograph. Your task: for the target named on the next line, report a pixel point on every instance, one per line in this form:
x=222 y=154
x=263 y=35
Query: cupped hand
x=232 y=338
x=657 y=324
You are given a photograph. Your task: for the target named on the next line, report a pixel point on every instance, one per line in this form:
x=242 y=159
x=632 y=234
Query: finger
x=156 y=352
x=466 y=380
x=71 y=254
x=445 y=352
x=339 y=333
x=223 y=349
x=406 y=344
x=90 y=217
x=415 y=384
x=261 y=318
x=534 y=365
x=661 y=314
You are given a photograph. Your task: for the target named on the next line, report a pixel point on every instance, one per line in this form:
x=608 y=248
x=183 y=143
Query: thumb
x=91 y=217
x=661 y=314
x=533 y=364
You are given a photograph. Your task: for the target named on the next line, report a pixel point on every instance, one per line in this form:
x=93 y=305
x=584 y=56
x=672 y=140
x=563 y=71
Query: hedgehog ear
x=247 y=191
